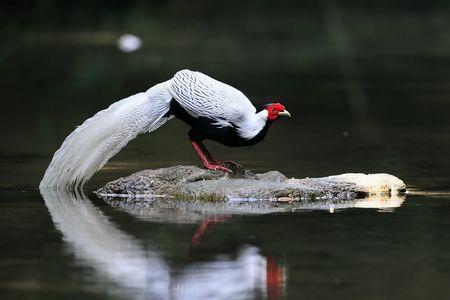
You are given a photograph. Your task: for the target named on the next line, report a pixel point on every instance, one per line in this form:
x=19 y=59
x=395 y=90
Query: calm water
x=359 y=104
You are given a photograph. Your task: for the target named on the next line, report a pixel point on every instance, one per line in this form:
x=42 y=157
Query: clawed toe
x=218 y=167
x=231 y=163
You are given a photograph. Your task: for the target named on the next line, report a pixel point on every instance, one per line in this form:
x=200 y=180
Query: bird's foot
x=230 y=164
x=237 y=170
x=215 y=166
x=233 y=169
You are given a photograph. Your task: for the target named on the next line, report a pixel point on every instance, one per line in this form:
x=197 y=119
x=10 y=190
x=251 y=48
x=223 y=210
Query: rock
x=271 y=176
x=193 y=183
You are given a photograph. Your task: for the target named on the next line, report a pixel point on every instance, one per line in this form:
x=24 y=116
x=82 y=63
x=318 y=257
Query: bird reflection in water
x=143 y=273
x=205 y=225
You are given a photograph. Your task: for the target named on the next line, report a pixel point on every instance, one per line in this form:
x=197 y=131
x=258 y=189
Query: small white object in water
x=128 y=43
x=331 y=209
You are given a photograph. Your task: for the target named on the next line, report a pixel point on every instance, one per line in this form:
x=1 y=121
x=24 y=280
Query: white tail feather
x=102 y=136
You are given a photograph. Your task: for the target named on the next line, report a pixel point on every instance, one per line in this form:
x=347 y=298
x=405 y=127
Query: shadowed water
x=368 y=89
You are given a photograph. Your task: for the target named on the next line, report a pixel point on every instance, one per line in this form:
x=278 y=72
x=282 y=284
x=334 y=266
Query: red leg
x=213 y=160
x=274 y=279
x=208 y=161
x=206 y=223
x=206 y=153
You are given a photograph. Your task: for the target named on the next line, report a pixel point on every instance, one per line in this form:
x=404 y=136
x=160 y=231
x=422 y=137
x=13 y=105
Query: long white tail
x=100 y=137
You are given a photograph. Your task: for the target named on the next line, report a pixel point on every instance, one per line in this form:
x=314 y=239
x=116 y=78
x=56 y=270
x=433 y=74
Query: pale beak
x=284 y=113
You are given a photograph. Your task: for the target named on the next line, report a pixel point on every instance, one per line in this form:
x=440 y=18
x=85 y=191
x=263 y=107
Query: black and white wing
x=203 y=96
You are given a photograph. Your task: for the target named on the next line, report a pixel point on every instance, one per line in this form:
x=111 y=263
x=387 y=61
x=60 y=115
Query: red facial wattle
x=274 y=110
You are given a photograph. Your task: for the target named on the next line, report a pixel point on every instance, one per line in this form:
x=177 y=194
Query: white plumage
x=203 y=96
x=100 y=137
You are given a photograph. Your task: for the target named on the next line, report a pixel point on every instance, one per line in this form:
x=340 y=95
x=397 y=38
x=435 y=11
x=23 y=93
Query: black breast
x=205 y=129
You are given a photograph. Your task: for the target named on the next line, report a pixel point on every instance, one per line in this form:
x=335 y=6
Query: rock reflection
x=184 y=212
x=381 y=203
x=169 y=210
x=386 y=203
x=143 y=273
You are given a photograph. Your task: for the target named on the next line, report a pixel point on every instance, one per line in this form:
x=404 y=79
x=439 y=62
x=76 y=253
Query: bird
x=214 y=111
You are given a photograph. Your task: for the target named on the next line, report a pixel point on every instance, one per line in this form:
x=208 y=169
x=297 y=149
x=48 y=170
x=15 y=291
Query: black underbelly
x=205 y=129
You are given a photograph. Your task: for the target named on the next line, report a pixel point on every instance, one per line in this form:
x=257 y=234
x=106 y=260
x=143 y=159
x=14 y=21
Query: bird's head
x=275 y=110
